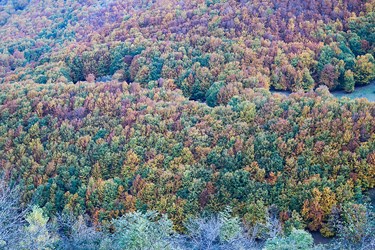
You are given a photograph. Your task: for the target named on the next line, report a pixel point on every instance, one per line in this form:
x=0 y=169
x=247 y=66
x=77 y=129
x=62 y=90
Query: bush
x=298 y=239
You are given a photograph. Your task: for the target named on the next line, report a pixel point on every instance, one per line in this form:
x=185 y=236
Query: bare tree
x=11 y=215
x=217 y=232
x=77 y=233
x=204 y=232
x=273 y=226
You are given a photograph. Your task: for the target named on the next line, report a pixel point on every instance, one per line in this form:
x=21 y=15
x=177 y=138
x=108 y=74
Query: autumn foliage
x=112 y=107
x=192 y=45
x=111 y=148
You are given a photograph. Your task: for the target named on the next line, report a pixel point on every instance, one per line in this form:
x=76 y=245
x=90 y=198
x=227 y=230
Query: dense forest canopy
x=110 y=110
x=110 y=148
x=201 y=47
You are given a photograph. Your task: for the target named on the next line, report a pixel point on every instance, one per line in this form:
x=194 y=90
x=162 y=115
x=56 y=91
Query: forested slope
x=201 y=47
x=110 y=148
x=119 y=108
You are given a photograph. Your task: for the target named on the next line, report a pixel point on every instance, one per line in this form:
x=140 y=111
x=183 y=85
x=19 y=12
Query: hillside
x=202 y=47
x=110 y=108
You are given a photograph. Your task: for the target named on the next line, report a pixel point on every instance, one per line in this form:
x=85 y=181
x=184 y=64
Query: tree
x=349 y=81
x=355 y=226
x=364 y=70
x=212 y=92
x=75 y=233
x=325 y=57
x=294 y=222
x=307 y=80
x=355 y=44
x=216 y=232
x=75 y=65
x=248 y=111
x=231 y=228
x=329 y=76
x=36 y=234
x=141 y=231
x=11 y=216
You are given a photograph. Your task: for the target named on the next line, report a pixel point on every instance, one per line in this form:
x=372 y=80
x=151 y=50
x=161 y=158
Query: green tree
x=307 y=80
x=325 y=57
x=294 y=222
x=231 y=226
x=36 y=234
x=355 y=44
x=248 y=111
x=212 y=92
x=142 y=231
x=356 y=224
x=364 y=70
x=349 y=81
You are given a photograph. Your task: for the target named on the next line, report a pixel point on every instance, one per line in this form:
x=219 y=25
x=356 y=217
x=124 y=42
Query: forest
x=152 y=124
